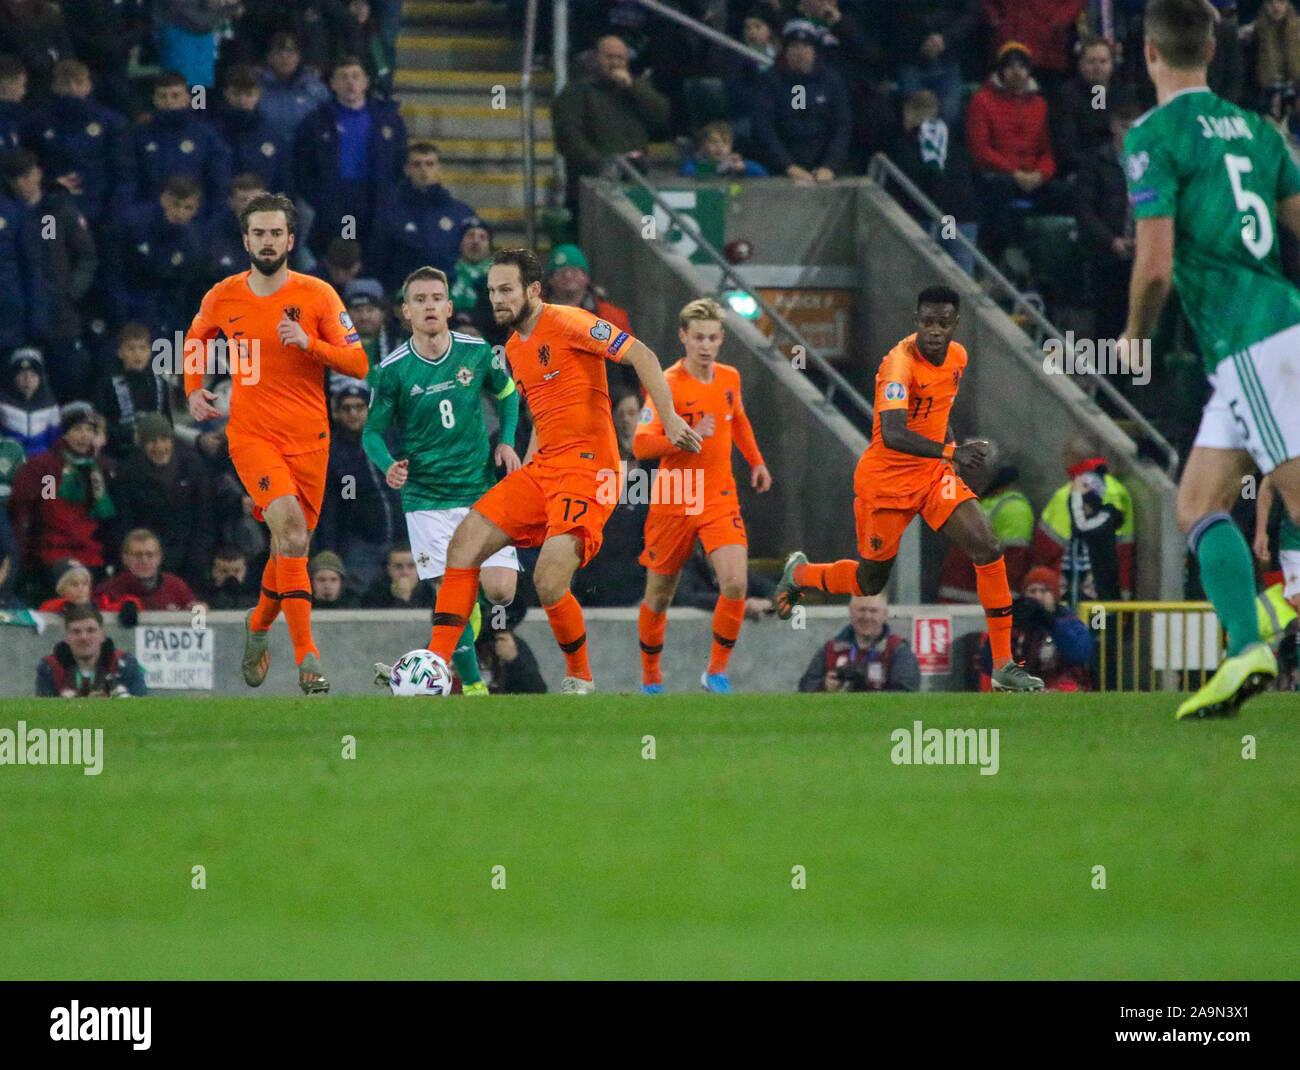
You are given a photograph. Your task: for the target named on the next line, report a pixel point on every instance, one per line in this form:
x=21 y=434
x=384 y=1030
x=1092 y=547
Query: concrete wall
x=770 y=656
x=810 y=447
x=1005 y=394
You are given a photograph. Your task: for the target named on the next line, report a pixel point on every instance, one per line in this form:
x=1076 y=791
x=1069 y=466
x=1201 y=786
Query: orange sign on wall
x=821 y=316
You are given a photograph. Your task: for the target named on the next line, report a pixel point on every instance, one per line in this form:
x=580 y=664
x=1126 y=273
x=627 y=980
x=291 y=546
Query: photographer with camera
x=87 y=664
x=864 y=656
x=1047 y=636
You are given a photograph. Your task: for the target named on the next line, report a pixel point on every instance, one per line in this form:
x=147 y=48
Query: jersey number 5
x=1257 y=228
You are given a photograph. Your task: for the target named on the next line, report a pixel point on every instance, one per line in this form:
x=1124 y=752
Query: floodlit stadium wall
x=851 y=232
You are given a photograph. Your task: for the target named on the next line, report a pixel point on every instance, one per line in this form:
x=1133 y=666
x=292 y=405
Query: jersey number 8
x=448 y=413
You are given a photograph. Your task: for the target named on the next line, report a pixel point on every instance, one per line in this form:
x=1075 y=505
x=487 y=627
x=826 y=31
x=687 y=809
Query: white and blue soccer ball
x=420 y=672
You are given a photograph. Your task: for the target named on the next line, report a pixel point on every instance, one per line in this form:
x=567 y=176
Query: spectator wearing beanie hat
x=164 y=486
x=73 y=587
x=49 y=528
x=809 y=144
x=329 y=588
x=469 y=282
x=1011 y=148
x=28 y=412
x=359 y=528
x=1046 y=636
x=364 y=299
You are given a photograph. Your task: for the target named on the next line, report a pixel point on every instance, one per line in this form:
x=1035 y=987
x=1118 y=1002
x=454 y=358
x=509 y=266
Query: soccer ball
x=421 y=672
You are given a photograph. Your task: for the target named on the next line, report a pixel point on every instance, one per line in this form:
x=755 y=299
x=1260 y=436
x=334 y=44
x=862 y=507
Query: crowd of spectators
x=132 y=135
x=120 y=196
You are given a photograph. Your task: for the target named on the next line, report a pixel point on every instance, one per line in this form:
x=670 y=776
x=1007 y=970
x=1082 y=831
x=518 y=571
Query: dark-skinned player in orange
x=560 y=499
x=694 y=496
x=912 y=466
x=282 y=330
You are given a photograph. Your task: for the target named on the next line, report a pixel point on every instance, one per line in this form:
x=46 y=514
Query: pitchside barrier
x=185 y=655
x=1153 y=646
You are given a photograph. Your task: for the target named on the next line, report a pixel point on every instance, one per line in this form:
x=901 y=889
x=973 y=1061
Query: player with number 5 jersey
x=1208 y=183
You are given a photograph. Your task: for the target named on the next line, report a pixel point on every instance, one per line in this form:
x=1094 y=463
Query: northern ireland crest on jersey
x=601 y=331
x=464 y=376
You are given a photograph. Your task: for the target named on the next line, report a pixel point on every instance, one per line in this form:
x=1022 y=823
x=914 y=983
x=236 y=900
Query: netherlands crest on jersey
x=293 y=312
x=895 y=392
x=601 y=331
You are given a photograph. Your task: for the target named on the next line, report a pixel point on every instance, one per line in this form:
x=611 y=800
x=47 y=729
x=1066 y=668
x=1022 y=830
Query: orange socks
x=839 y=577
x=456 y=599
x=570 y=632
x=650 y=630
x=295 y=594
x=995 y=597
x=268 y=604
x=728 y=615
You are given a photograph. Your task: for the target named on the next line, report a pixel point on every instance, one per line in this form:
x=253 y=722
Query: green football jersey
x=1220 y=172
x=436 y=405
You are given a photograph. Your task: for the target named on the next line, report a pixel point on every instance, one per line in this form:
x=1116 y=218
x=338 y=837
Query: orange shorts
x=670 y=539
x=882 y=517
x=535 y=502
x=268 y=474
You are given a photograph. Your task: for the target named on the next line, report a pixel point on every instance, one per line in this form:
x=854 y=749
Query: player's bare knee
x=550 y=587
x=658 y=603
x=732 y=588
x=499 y=592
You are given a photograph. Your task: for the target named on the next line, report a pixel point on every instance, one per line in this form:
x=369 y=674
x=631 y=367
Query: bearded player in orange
x=694 y=497
x=562 y=497
x=909 y=468
x=282 y=330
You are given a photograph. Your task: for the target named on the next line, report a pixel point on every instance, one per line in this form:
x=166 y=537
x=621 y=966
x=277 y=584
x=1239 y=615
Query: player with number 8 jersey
x=431 y=387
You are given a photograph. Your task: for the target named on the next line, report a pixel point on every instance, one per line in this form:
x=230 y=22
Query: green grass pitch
x=621 y=867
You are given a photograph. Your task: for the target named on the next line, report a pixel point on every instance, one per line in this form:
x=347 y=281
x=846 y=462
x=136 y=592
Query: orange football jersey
x=283 y=399
x=692 y=400
x=560 y=371
x=908 y=381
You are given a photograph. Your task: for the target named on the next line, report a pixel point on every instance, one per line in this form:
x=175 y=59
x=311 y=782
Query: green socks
x=465 y=659
x=1228 y=576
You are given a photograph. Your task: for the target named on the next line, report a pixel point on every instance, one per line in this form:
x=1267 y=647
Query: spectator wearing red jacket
x=48 y=527
x=1011 y=148
x=141 y=577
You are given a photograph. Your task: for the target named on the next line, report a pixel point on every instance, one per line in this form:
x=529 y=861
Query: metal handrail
x=705 y=31
x=883 y=168
x=835 y=381
x=526 y=83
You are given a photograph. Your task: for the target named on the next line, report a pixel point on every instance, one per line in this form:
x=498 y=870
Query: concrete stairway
x=456 y=66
